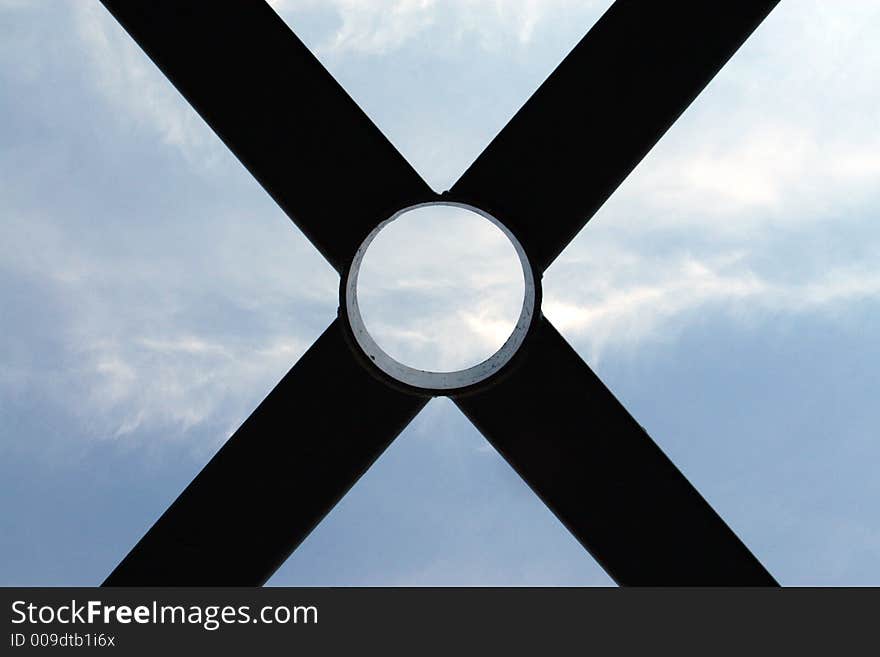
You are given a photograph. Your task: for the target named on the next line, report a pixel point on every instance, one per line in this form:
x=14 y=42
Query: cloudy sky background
x=152 y=293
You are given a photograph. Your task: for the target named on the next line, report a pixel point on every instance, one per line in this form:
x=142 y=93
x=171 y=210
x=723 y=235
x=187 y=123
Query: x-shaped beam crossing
x=337 y=177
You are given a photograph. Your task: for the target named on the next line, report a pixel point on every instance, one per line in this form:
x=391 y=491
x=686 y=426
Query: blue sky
x=152 y=293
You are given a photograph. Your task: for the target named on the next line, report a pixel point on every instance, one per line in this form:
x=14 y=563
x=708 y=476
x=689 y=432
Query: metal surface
x=544 y=410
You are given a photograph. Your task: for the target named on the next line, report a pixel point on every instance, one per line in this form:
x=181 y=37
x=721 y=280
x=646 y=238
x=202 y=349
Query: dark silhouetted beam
x=600 y=112
x=288 y=121
x=309 y=441
x=564 y=432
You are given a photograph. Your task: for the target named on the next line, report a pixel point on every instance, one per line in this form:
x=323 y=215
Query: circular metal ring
x=430 y=380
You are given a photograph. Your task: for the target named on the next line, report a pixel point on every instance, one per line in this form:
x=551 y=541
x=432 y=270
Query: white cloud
x=147 y=345
x=788 y=132
x=381 y=26
x=731 y=211
x=129 y=81
x=787 y=137
x=175 y=384
x=623 y=309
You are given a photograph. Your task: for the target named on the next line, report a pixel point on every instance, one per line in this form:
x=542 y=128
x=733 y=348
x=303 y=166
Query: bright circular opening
x=440 y=288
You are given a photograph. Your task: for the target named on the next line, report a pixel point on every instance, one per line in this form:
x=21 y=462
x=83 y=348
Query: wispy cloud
x=784 y=140
x=152 y=294
x=143 y=346
x=176 y=384
x=785 y=135
x=761 y=200
x=621 y=311
x=375 y=27
x=125 y=77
